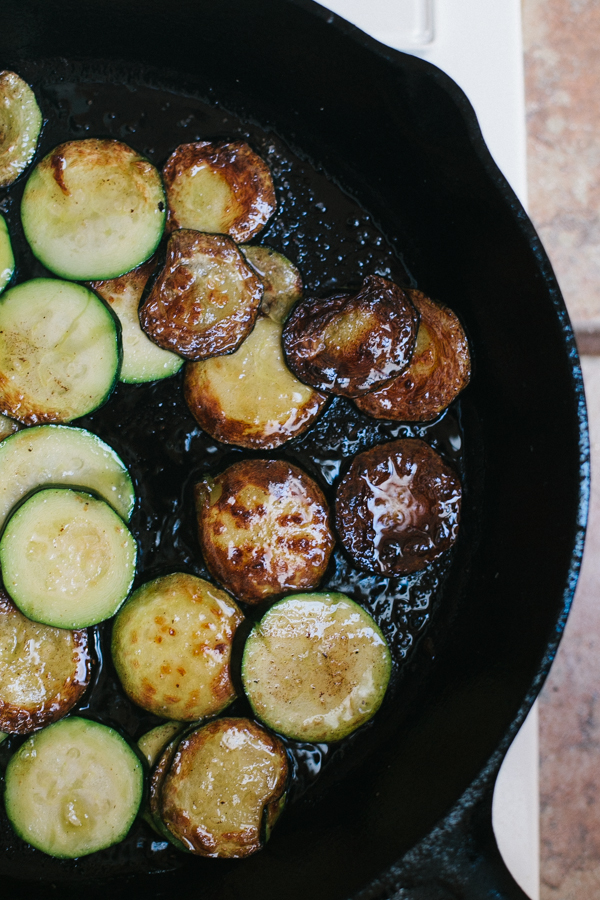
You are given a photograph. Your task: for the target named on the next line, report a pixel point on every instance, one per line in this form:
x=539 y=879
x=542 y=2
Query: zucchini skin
x=7 y=259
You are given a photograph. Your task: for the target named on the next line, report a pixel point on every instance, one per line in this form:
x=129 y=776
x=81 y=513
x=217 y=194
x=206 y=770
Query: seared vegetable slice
x=221 y=188
x=7 y=426
x=43 y=671
x=171 y=647
x=250 y=398
x=205 y=300
x=439 y=370
x=7 y=259
x=281 y=280
x=154 y=741
x=93 y=209
x=73 y=788
x=153 y=813
x=351 y=343
x=20 y=126
x=142 y=359
x=67 y=558
x=225 y=779
x=398 y=507
x=316 y=667
x=264 y=529
x=60 y=454
x=59 y=351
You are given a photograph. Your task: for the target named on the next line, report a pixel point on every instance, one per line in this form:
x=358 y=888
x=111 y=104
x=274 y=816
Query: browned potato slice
x=222 y=188
x=439 y=370
x=43 y=670
x=398 y=508
x=264 y=529
x=226 y=778
x=281 y=280
x=171 y=647
x=351 y=343
x=206 y=299
x=251 y=398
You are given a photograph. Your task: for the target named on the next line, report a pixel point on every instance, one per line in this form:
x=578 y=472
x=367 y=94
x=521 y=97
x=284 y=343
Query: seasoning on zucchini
x=205 y=301
x=171 y=647
x=61 y=454
x=60 y=351
x=351 y=343
x=67 y=558
x=143 y=360
x=73 y=788
x=226 y=779
x=220 y=188
x=281 y=280
x=7 y=259
x=250 y=398
x=263 y=527
x=316 y=667
x=93 y=209
x=398 y=507
x=439 y=369
x=43 y=671
x=20 y=126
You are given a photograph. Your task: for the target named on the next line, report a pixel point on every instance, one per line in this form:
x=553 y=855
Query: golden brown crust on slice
x=221 y=188
x=281 y=280
x=225 y=779
x=264 y=529
x=205 y=300
x=398 y=508
x=43 y=671
x=351 y=343
x=250 y=398
x=439 y=370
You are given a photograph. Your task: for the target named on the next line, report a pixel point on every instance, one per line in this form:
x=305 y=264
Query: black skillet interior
x=332 y=109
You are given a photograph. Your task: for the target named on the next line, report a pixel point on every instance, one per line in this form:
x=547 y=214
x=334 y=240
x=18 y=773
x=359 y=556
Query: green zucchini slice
x=225 y=780
x=7 y=426
x=67 y=558
x=316 y=667
x=281 y=280
x=73 y=788
x=60 y=351
x=20 y=126
x=93 y=209
x=171 y=647
x=142 y=359
x=7 y=259
x=43 y=671
x=61 y=454
x=154 y=741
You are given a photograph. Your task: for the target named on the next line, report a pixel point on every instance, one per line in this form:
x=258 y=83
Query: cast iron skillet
x=411 y=816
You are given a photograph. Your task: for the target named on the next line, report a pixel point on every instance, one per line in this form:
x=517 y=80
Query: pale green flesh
x=154 y=742
x=60 y=454
x=107 y=216
x=281 y=280
x=67 y=559
x=316 y=667
x=59 y=351
x=7 y=260
x=20 y=126
x=73 y=788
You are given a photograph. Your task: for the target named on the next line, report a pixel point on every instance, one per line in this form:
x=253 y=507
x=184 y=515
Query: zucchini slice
x=316 y=667
x=398 y=507
x=171 y=647
x=61 y=454
x=7 y=426
x=221 y=188
x=263 y=527
x=439 y=369
x=43 y=671
x=153 y=743
x=20 y=126
x=93 y=209
x=60 y=351
x=142 y=359
x=281 y=280
x=152 y=812
x=7 y=259
x=226 y=778
x=250 y=398
x=67 y=558
x=73 y=788
x=205 y=301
